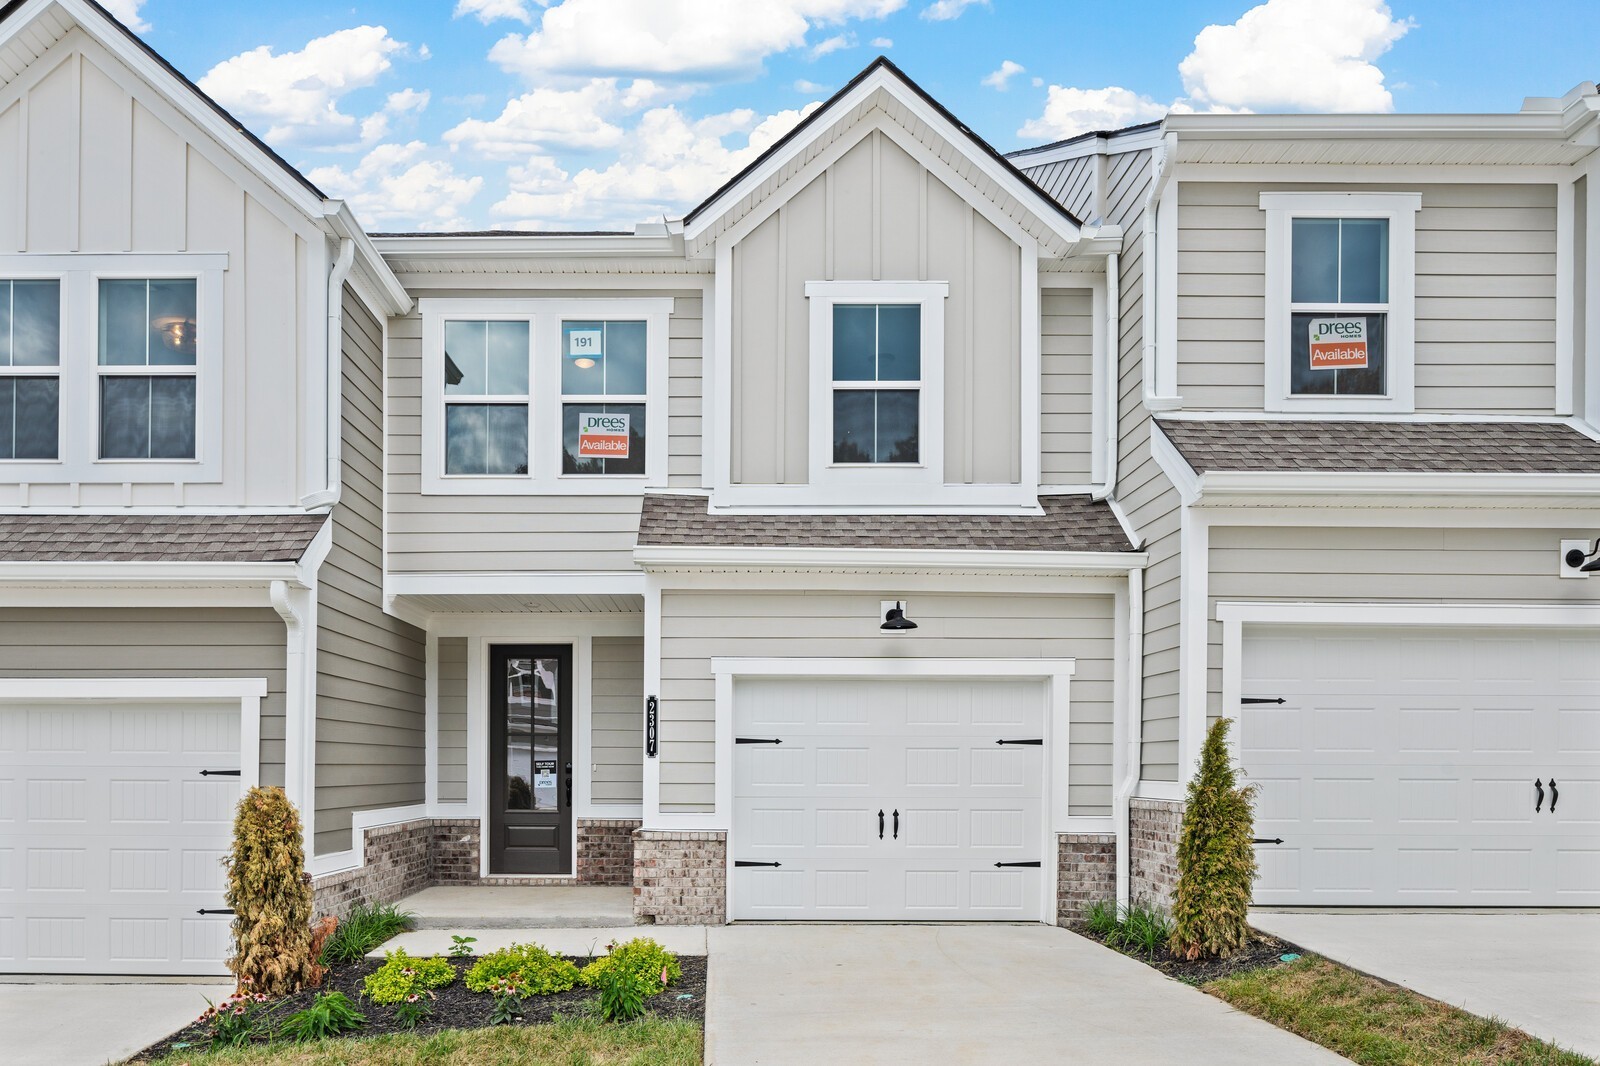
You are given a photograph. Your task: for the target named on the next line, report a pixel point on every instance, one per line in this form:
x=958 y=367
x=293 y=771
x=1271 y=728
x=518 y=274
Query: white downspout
x=1134 y=724
x=296 y=729
x=1150 y=266
x=1113 y=364
x=329 y=494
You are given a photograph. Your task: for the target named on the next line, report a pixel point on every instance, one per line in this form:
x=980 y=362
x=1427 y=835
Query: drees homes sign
x=1338 y=343
x=602 y=436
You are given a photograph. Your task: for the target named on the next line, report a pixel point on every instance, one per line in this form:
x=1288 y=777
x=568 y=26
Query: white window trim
x=1400 y=209
x=928 y=471
x=544 y=475
x=79 y=449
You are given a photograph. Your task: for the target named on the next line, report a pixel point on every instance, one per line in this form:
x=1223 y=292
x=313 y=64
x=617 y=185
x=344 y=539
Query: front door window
x=531 y=710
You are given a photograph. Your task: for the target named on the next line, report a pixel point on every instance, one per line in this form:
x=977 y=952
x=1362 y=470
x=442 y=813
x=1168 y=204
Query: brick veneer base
x=1086 y=871
x=680 y=878
x=409 y=856
x=1153 y=827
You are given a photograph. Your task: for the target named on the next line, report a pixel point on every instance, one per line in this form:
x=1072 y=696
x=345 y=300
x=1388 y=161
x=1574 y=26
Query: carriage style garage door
x=111 y=838
x=1454 y=766
x=862 y=800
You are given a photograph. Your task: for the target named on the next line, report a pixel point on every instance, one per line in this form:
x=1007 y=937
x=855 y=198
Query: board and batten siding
x=1066 y=425
x=697 y=625
x=108 y=166
x=155 y=642
x=617 y=721
x=1485 y=295
x=513 y=532
x=876 y=214
x=452 y=681
x=370 y=665
x=1400 y=565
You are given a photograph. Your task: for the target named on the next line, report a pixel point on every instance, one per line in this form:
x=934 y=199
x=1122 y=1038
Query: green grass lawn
x=1376 y=1023
x=567 y=1042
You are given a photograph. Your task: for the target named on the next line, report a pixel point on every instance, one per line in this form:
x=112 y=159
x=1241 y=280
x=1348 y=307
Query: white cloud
x=1297 y=55
x=295 y=96
x=667 y=164
x=837 y=42
x=375 y=127
x=1038 y=83
x=804 y=86
x=558 y=118
x=394 y=183
x=486 y=11
x=944 y=10
x=1069 y=112
x=407 y=100
x=127 y=13
x=1006 y=71
x=883 y=42
x=670 y=38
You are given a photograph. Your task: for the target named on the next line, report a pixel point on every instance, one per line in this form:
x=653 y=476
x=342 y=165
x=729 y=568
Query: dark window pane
x=855 y=342
x=625 y=358
x=1364 y=261
x=507 y=358
x=486 y=438
x=38 y=417
x=897 y=426
x=124 y=418
x=900 y=342
x=853 y=418
x=124 y=322
x=1305 y=379
x=519 y=734
x=1314 y=261
x=173 y=322
x=598 y=451
x=533 y=737
x=172 y=418
x=466 y=371
x=35 y=326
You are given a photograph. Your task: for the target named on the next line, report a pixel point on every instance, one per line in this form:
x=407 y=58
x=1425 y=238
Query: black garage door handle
x=1554 y=795
x=1539 y=787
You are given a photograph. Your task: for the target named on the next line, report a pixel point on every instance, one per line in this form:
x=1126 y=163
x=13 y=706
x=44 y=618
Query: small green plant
x=402 y=976
x=623 y=992
x=366 y=926
x=1101 y=918
x=330 y=1014
x=1144 y=929
x=240 y=1019
x=461 y=946
x=1216 y=856
x=507 y=1002
x=642 y=957
x=523 y=970
x=417 y=1009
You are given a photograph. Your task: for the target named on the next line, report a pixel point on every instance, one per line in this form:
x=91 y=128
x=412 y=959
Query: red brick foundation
x=1086 y=872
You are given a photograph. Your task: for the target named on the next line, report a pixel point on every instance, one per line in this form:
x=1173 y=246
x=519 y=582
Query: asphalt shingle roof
x=1390 y=447
x=157 y=538
x=1069 y=524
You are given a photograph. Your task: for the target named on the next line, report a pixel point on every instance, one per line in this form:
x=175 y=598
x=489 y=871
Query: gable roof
x=881 y=75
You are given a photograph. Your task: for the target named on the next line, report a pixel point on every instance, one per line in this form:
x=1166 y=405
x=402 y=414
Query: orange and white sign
x=602 y=436
x=1338 y=344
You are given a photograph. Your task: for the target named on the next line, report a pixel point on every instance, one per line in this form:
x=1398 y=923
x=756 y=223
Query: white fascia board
x=533 y=246
x=1520 y=126
x=83 y=574
x=1173 y=464
x=887 y=560
x=1102 y=144
x=369 y=261
x=1489 y=489
x=593 y=583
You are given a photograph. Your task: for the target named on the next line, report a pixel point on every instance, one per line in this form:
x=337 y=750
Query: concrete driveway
x=93 y=1022
x=963 y=993
x=1536 y=970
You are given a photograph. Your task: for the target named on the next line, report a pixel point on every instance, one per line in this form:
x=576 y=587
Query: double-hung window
x=30 y=368
x=485 y=376
x=1339 y=301
x=604 y=376
x=148 y=336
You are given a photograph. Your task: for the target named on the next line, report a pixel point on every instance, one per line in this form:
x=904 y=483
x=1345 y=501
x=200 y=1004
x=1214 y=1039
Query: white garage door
x=1456 y=767
x=111 y=838
x=888 y=800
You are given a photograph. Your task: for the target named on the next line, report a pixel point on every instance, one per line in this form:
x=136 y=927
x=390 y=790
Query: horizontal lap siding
x=1066 y=422
x=370 y=666
x=501 y=533
x=155 y=642
x=617 y=734
x=695 y=626
x=452 y=681
x=1485 y=295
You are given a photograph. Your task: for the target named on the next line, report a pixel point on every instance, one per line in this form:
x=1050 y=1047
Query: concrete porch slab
x=679 y=939
x=460 y=907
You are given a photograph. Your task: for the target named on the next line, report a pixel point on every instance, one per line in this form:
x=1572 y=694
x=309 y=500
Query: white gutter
x=329 y=494
x=1133 y=757
x=888 y=560
x=1113 y=365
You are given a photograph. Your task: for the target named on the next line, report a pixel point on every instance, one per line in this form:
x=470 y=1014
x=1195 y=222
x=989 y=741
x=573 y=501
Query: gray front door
x=530 y=759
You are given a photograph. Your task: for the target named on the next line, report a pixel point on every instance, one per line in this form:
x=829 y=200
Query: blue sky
x=576 y=114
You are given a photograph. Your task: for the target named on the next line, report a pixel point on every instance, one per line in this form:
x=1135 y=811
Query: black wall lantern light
x=1584 y=562
x=895 y=620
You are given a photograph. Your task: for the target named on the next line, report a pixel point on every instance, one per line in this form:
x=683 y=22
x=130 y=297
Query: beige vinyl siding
x=1485 y=295
x=1067 y=394
x=370 y=666
x=83 y=642
x=617 y=725
x=452 y=682
x=108 y=166
x=875 y=214
x=1401 y=565
x=695 y=626
x=1070 y=181
x=1127 y=185
x=504 y=533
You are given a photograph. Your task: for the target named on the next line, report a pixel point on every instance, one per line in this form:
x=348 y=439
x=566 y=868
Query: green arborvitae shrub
x=522 y=970
x=1216 y=858
x=270 y=896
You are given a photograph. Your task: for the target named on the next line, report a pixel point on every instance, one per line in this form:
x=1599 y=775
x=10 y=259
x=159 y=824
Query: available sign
x=1338 y=344
x=602 y=436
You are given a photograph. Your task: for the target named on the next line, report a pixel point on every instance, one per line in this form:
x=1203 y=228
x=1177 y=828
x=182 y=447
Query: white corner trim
x=887 y=560
x=1160 y=790
x=1566 y=268
x=1194 y=576
x=1173 y=464
x=360 y=821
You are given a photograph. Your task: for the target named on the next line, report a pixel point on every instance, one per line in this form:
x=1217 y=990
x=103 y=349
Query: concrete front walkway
x=520 y=907
x=82 y=1022
x=963 y=994
x=1535 y=970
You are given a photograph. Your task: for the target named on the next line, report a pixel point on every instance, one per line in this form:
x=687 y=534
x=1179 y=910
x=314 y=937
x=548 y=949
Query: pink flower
x=412 y=998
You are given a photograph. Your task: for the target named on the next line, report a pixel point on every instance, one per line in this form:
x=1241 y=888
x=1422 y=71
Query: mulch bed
x=458 y=1008
x=1262 y=952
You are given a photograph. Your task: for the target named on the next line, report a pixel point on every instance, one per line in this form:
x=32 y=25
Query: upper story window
x=535 y=396
x=148 y=337
x=1340 y=285
x=30 y=368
